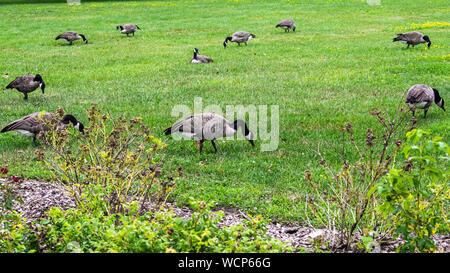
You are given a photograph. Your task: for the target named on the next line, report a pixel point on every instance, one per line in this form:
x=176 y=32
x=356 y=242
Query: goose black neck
x=437 y=97
x=240 y=123
x=70 y=118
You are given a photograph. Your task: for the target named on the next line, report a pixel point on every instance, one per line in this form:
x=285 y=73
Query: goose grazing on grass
x=200 y=59
x=422 y=96
x=128 y=29
x=33 y=124
x=412 y=38
x=287 y=24
x=239 y=37
x=71 y=36
x=209 y=126
x=27 y=84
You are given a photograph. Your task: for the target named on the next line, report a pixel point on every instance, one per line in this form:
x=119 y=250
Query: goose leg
x=214 y=145
x=425 y=113
x=408 y=45
x=239 y=44
x=34 y=140
x=26 y=96
x=201 y=145
x=70 y=42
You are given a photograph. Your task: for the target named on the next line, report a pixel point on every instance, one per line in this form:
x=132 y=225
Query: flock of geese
x=203 y=126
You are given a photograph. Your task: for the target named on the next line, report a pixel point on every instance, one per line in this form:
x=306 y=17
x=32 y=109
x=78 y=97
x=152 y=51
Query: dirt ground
x=38 y=197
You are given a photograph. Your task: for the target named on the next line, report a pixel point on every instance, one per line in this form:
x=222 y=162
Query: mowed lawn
x=339 y=63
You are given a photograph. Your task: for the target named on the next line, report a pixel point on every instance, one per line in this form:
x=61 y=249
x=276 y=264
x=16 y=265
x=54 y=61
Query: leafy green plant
x=116 y=164
x=417 y=195
x=85 y=231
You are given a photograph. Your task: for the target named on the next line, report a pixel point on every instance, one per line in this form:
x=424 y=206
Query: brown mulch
x=38 y=197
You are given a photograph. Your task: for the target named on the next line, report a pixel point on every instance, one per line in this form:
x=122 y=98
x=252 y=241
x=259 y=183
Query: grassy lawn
x=339 y=63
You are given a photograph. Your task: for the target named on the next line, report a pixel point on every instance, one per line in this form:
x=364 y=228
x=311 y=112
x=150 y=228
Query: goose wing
x=203 y=126
x=31 y=123
x=412 y=36
x=131 y=27
x=68 y=35
x=420 y=93
x=241 y=35
x=204 y=59
x=286 y=23
x=21 y=81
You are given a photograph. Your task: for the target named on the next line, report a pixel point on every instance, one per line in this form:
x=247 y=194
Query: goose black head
x=77 y=124
x=226 y=42
x=438 y=99
x=119 y=27
x=38 y=78
x=196 y=51
x=427 y=39
x=253 y=35
x=247 y=134
x=84 y=38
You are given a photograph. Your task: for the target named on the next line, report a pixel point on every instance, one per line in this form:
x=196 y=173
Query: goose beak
x=252 y=142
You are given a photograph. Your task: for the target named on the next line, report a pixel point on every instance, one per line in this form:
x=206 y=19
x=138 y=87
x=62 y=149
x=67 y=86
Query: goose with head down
x=287 y=25
x=422 y=96
x=209 y=126
x=239 y=37
x=127 y=29
x=412 y=38
x=27 y=84
x=71 y=36
x=32 y=124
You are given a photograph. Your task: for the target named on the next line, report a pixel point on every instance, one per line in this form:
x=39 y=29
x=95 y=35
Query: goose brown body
x=286 y=24
x=71 y=36
x=128 y=29
x=422 y=96
x=239 y=37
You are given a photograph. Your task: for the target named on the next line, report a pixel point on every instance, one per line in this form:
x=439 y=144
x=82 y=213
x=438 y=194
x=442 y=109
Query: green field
x=339 y=63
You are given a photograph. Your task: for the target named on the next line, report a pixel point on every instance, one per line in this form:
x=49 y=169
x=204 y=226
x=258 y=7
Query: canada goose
x=127 y=29
x=27 y=84
x=422 y=96
x=33 y=124
x=412 y=38
x=199 y=59
x=239 y=37
x=209 y=126
x=71 y=36
x=287 y=24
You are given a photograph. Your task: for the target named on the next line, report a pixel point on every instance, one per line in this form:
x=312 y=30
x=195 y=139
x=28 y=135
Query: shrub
x=343 y=199
x=417 y=195
x=116 y=163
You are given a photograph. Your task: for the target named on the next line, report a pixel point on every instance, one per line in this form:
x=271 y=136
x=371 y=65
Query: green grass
x=339 y=64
